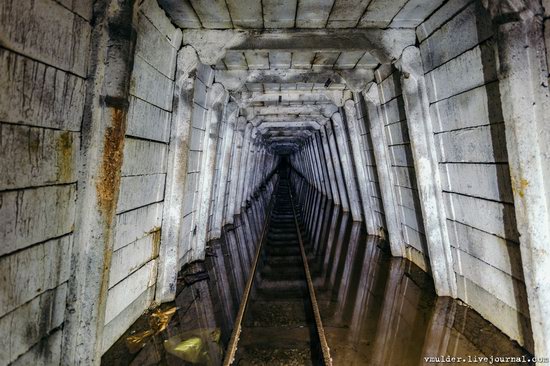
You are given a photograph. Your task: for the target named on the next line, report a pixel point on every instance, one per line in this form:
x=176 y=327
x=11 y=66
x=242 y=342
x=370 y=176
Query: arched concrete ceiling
x=291 y=64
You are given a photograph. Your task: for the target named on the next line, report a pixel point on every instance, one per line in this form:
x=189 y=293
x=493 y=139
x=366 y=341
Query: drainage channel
x=279 y=322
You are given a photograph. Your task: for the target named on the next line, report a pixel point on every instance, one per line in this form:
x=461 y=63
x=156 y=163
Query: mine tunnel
x=276 y=182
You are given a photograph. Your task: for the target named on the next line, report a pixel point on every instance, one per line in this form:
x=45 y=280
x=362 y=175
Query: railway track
x=279 y=322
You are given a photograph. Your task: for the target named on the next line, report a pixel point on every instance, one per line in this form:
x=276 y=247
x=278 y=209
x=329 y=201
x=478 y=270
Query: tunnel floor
x=376 y=309
x=279 y=327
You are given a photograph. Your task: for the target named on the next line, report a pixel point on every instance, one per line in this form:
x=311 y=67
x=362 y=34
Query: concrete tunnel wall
x=119 y=163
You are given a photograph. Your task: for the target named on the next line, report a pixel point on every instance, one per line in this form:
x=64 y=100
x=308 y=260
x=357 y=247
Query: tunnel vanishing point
x=133 y=134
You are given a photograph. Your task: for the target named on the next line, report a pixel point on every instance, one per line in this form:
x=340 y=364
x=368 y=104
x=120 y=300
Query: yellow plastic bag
x=198 y=347
x=158 y=321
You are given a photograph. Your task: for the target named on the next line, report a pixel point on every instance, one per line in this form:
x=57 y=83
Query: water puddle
x=377 y=310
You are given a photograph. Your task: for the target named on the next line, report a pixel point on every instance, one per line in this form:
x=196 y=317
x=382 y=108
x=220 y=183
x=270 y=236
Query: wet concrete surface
x=377 y=310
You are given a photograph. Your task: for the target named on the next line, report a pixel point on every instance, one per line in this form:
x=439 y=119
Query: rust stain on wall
x=107 y=186
x=109 y=177
x=65 y=151
x=519 y=187
x=155 y=235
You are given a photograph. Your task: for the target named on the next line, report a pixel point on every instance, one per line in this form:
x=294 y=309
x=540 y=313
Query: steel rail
x=327 y=360
x=237 y=328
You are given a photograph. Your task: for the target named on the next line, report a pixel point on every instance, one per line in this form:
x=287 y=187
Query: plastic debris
x=198 y=347
x=158 y=321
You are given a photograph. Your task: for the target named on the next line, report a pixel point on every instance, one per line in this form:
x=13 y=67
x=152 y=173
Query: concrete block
x=37 y=356
x=408 y=197
x=484 y=144
x=193 y=162
x=135 y=224
x=35 y=156
x=377 y=204
x=46 y=31
x=246 y=13
x=118 y=326
x=476 y=107
x=397 y=133
x=158 y=18
x=499 y=284
x=412 y=218
x=439 y=17
x=390 y=87
x=155 y=48
x=125 y=292
x=150 y=85
x=143 y=157
x=414 y=12
x=198 y=117
x=488 y=181
x=34 y=215
x=235 y=60
x=80 y=7
x=383 y=71
x=28 y=273
x=379 y=219
x=375 y=189
x=348 y=59
x=213 y=14
x=35 y=94
x=497 y=219
x=182 y=14
x=83 y=8
x=346 y=14
x=372 y=174
x=187 y=224
x=404 y=177
x=148 y=121
x=131 y=257
x=257 y=60
x=192 y=182
x=199 y=94
x=489 y=249
x=325 y=60
x=141 y=190
x=467 y=29
x=471 y=69
x=547 y=35
x=394 y=111
x=415 y=239
x=418 y=258
x=205 y=74
x=401 y=156
x=497 y=312
x=370 y=160
x=196 y=140
x=279 y=60
x=29 y=323
x=279 y=14
x=303 y=60
x=380 y=13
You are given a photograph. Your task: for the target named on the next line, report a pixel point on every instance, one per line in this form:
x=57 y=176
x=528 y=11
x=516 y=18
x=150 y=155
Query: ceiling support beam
x=337 y=97
x=384 y=44
x=236 y=79
x=325 y=110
